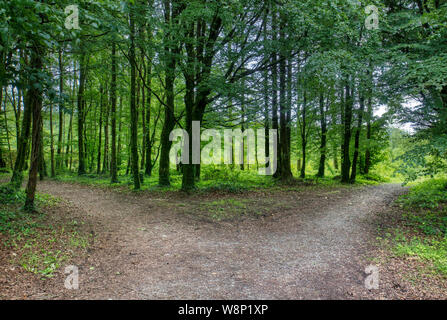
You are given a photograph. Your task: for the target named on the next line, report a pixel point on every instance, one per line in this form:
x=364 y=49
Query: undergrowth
x=425 y=219
x=36 y=244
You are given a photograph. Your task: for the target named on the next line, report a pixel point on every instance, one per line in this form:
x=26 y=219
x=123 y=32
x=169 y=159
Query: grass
x=36 y=244
x=427 y=194
x=214 y=179
x=431 y=251
x=425 y=222
x=226 y=209
x=233 y=208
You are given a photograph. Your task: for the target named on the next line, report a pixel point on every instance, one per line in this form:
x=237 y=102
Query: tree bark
x=368 y=137
x=81 y=116
x=304 y=136
x=59 y=161
x=275 y=124
x=35 y=104
x=286 y=172
x=17 y=175
x=346 y=161
x=53 y=168
x=105 y=165
x=101 y=108
x=169 y=120
x=113 y=163
x=323 y=144
x=357 y=139
x=133 y=108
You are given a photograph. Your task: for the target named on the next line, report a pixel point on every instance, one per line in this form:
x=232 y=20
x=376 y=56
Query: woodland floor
x=309 y=242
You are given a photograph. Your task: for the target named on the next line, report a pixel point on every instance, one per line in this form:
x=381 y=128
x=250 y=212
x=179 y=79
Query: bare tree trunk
x=169 y=121
x=323 y=138
x=275 y=124
x=101 y=108
x=304 y=136
x=133 y=108
x=346 y=161
x=357 y=139
x=35 y=104
x=105 y=165
x=368 y=137
x=53 y=169
x=81 y=117
x=59 y=161
x=113 y=166
x=17 y=176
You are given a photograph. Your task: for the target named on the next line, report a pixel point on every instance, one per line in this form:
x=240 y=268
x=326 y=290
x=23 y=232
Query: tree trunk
x=169 y=120
x=113 y=164
x=59 y=161
x=368 y=137
x=323 y=138
x=35 y=104
x=17 y=175
x=7 y=130
x=346 y=161
x=53 y=170
x=105 y=165
x=81 y=117
x=101 y=108
x=304 y=136
x=286 y=172
x=275 y=124
x=42 y=164
x=267 y=122
x=133 y=108
x=357 y=139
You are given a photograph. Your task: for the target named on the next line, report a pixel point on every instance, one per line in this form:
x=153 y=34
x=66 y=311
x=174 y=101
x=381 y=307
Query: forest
x=340 y=93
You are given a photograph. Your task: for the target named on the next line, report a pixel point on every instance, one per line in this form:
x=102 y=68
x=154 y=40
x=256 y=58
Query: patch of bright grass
x=225 y=180
x=215 y=179
x=427 y=216
x=36 y=245
x=427 y=194
x=226 y=208
x=429 y=250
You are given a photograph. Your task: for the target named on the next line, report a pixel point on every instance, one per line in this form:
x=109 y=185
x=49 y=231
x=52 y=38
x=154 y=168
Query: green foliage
x=213 y=179
x=372 y=178
x=43 y=262
x=8 y=195
x=431 y=251
x=232 y=180
x=18 y=223
x=428 y=194
x=425 y=157
x=226 y=209
x=429 y=223
x=36 y=245
x=427 y=216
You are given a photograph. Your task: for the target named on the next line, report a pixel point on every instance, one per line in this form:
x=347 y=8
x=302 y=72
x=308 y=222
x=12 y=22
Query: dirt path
x=147 y=249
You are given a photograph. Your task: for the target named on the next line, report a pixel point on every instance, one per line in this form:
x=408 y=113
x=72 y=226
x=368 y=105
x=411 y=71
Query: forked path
x=148 y=249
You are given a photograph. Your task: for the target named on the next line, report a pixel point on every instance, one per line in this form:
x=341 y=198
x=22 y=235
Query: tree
x=133 y=109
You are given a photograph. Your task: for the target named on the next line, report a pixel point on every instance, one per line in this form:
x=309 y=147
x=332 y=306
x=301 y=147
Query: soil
x=296 y=243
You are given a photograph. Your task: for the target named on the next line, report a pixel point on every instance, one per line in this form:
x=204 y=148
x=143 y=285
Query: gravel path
x=146 y=250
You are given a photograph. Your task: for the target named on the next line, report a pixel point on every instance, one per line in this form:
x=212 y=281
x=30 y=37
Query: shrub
x=428 y=194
